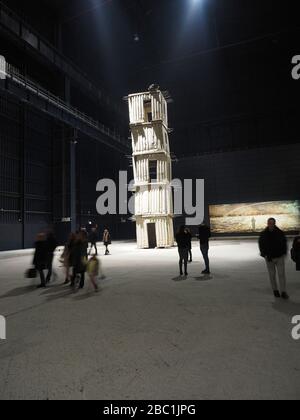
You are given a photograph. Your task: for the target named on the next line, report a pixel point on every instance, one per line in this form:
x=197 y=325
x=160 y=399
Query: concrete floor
x=147 y=335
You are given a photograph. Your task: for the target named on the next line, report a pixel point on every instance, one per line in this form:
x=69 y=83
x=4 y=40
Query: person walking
x=190 y=244
x=204 y=236
x=79 y=259
x=106 y=240
x=41 y=257
x=295 y=252
x=93 y=237
x=93 y=269
x=183 y=242
x=51 y=244
x=273 y=248
x=66 y=257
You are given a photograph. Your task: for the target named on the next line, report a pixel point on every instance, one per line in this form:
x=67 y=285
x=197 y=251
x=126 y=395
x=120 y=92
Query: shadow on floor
x=66 y=293
x=51 y=289
x=288 y=307
x=262 y=291
x=204 y=278
x=87 y=295
x=180 y=278
x=53 y=292
x=20 y=291
x=221 y=276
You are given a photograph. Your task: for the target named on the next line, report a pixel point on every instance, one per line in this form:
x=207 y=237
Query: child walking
x=93 y=270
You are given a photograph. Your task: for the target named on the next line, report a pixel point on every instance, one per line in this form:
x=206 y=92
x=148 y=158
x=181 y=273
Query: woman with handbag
x=41 y=257
x=295 y=252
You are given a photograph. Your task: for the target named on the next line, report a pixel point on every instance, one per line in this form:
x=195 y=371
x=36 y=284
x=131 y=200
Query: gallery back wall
x=266 y=174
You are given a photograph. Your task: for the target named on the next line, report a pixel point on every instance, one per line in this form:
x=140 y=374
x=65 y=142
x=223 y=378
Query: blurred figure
x=93 y=238
x=295 y=252
x=93 y=270
x=106 y=240
x=85 y=239
x=204 y=235
x=183 y=242
x=273 y=248
x=41 y=257
x=79 y=259
x=188 y=232
x=51 y=244
x=67 y=260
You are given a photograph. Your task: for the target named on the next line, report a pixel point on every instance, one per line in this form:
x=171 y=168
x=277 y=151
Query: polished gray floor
x=149 y=334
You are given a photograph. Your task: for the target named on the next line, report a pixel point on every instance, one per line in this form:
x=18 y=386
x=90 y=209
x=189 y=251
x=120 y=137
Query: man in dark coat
x=204 y=235
x=295 y=253
x=183 y=241
x=273 y=247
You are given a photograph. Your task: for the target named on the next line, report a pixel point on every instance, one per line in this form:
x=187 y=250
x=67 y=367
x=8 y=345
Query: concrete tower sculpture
x=152 y=169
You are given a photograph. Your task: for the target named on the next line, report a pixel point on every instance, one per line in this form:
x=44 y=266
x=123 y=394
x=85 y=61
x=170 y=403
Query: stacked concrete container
x=152 y=169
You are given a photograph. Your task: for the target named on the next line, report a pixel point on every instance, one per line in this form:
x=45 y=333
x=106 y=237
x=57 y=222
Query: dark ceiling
x=220 y=59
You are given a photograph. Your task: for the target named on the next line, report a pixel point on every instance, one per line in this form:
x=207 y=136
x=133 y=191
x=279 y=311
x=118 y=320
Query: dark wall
x=35 y=177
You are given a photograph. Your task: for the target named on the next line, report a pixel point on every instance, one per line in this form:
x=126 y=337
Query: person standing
x=51 y=244
x=40 y=257
x=273 y=248
x=204 y=236
x=190 y=244
x=295 y=252
x=106 y=240
x=93 y=237
x=183 y=242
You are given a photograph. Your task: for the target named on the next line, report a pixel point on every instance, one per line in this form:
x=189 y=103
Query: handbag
x=31 y=273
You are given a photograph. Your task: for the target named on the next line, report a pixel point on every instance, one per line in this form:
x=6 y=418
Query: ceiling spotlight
x=136 y=38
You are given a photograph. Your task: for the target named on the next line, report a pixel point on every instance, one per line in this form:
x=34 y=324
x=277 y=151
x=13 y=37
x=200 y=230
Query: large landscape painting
x=252 y=217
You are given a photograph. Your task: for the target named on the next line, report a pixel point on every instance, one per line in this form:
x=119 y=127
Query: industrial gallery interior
x=149 y=200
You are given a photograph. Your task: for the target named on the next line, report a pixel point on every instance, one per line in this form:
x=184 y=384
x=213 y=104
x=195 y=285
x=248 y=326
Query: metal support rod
x=73 y=198
x=23 y=170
